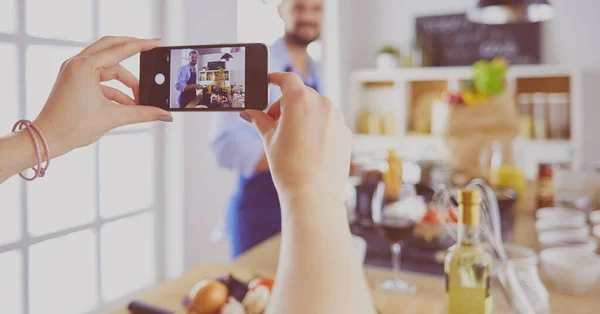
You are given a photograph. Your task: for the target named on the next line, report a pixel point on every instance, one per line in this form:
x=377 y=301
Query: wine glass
x=396 y=227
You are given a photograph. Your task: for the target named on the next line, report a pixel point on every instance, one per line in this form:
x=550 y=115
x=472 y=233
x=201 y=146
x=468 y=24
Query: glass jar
x=502 y=164
x=525 y=115
x=524 y=264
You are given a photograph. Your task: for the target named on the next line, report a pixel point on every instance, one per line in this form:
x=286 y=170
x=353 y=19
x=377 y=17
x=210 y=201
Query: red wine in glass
x=397 y=229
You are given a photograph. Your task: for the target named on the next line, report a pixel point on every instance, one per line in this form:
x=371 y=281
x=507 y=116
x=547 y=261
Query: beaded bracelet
x=31 y=128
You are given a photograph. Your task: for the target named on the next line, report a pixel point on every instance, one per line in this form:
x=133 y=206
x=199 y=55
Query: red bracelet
x=31 y=127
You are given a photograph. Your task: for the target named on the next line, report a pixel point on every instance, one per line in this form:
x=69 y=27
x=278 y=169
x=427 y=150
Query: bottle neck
x=468 y=234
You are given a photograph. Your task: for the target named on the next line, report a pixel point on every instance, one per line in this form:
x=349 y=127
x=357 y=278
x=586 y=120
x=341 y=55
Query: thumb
x=262 y=121
x=141 y=114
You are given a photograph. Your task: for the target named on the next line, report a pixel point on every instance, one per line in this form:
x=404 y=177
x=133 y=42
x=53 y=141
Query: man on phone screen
x=187 y=80
x=254 y=212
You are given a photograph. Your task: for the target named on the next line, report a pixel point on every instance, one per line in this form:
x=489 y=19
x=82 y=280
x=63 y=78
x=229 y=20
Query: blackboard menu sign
x=452 y=40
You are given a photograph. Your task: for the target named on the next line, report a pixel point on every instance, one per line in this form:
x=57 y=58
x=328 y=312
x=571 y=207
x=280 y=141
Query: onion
x=208 y=297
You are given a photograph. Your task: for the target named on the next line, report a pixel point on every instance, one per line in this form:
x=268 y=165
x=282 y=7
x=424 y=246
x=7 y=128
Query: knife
x=139 y=307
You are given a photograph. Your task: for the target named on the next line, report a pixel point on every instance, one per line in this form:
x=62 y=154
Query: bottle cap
x=469 y=200
x=545 y=170
x=469 y=196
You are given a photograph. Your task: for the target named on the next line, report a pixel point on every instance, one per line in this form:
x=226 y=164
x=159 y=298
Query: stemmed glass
x=396 y=227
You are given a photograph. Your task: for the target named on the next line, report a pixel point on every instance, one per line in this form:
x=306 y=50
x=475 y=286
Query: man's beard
x=299 y=40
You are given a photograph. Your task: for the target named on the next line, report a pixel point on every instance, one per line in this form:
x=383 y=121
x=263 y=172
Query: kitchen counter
x=430 y=289
x=428 y=300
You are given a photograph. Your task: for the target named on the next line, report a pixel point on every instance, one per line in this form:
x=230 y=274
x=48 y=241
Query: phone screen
x=205 y=78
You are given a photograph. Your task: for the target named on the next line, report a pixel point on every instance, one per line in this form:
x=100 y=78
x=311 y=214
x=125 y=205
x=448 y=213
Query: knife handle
x=138 y=307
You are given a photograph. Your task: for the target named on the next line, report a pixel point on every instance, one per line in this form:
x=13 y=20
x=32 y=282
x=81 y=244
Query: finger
x=263 y=123
x=140 y=114
x=103 y=43
x=117 y=96
x=275 y=110
x=119 y=73
x=114 y=55
x=286 y=81
x=312 y=90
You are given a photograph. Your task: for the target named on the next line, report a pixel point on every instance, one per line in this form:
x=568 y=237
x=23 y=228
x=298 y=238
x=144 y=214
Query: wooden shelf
x=399 y=90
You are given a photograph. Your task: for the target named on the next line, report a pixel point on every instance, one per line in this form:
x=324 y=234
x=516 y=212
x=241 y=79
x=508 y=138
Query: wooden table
x=428 y=300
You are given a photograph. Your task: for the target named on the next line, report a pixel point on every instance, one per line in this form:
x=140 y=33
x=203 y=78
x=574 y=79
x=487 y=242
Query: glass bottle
x=468 y=266
x=545 y=186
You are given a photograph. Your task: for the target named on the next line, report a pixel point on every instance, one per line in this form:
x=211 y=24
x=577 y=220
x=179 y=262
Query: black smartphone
x=226 y=77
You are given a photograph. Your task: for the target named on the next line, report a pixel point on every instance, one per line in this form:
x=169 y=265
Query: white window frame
x=168 y=241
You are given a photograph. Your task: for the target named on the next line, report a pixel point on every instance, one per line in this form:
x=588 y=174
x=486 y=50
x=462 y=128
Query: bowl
x=596 y=232
x=557 y=212
x=578 y=237
x=588 y=244
x=570 y=270
x=594 y=217
x=558 y=223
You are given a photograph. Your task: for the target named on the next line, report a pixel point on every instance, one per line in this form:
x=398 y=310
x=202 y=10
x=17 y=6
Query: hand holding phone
x=229 y=77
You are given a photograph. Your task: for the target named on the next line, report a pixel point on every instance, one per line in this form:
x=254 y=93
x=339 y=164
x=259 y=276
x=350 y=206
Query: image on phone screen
x=211 y=78
x=228 y=77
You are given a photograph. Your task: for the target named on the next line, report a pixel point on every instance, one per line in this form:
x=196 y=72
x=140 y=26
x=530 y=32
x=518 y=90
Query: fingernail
x=244 y=115
x=165 y=118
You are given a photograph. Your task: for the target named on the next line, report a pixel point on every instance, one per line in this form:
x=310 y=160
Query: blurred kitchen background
x=141 y=206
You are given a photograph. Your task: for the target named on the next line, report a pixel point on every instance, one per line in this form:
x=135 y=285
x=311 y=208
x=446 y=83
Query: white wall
x=570 y=38
x=206 y=187
x=366 y=25
x=204 y=59
x=237 y=68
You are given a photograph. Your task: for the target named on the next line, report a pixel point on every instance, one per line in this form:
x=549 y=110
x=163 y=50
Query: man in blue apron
x=187 y=81
x=254 y=212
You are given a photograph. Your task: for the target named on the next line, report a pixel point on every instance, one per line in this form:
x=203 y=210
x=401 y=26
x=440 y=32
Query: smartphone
x=227 y=77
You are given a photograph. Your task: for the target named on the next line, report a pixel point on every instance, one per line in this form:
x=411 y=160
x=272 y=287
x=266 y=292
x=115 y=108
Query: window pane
x=69 y=19
x=9 y=87
x=43 y=63
x=10 y=211
x=126 y=173
x=63 y=274
x=11 y=278
x=126 y=18
x=66 y=196
x=127 y=256
x=8 y=14
x=10 y=190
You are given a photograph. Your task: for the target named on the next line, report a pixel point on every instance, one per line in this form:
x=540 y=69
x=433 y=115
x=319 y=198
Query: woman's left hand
x=80 y=110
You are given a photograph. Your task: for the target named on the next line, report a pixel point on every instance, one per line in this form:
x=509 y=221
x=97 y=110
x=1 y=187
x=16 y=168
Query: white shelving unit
x=206 y=73
x=582 y=85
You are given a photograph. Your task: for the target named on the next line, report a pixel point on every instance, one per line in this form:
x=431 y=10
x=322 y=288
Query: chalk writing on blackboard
x=452 y=40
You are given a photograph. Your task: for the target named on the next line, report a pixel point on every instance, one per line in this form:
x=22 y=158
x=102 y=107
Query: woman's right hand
x=306 y=140
x=80 y=110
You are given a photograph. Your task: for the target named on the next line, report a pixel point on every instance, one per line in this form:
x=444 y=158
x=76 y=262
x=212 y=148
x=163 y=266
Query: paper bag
x=471 y=128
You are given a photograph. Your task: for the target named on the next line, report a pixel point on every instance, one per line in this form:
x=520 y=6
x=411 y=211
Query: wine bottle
x=467 y=264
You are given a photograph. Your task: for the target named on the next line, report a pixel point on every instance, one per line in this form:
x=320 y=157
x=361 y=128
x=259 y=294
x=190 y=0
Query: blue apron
x=188 y=95
x=254 y=211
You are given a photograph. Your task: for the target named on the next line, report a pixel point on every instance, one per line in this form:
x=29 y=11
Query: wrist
x=55 y=144
x=312 y=204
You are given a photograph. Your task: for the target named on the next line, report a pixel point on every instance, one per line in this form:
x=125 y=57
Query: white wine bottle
x=468 y=265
